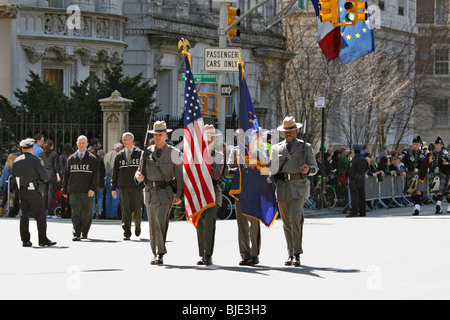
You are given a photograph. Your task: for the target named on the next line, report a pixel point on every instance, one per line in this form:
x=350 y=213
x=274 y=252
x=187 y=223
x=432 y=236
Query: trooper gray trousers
x=206 y=230
x=158 y=218
x=249 y=234
x=291 y=212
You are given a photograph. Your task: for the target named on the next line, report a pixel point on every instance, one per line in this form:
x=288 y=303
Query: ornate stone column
x=7 y=12
x=115 y=118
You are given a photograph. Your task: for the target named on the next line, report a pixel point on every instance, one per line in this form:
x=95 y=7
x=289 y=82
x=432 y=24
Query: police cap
x=27 y=143
x=357 y=147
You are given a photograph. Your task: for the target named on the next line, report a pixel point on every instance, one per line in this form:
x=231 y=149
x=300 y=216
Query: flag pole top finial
x=183 y=43
x=240 y=62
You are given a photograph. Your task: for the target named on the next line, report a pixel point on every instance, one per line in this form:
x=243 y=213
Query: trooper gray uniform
x=249 y=231
x=159 y=171
x=29 y=171
x=292 y=187
x=206 y=225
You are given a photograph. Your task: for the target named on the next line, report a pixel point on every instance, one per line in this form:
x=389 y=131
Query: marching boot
x=297 y=260
x=289 y=261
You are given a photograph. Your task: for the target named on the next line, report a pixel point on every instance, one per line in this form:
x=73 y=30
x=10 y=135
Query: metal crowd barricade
x=391 y=190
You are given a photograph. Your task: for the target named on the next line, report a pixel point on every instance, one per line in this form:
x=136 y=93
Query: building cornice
x=8 y=10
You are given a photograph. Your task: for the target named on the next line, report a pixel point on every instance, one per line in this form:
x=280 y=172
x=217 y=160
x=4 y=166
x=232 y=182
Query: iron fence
x=61 y=129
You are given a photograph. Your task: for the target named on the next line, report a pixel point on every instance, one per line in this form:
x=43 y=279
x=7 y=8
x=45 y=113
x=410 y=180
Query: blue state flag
x=251 y=186
x=356 y=41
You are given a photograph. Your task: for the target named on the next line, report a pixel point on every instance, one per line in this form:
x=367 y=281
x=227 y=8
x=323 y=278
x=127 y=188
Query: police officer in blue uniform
x=27 y=173
x=357 y=176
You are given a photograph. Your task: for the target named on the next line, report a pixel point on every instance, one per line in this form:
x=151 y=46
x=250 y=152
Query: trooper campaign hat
x=160 y=127
x=211 y=131
x=289 y=124
x=27 y=143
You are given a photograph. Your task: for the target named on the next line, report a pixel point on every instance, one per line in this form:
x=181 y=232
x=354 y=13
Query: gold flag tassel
x=241 y=63
x=183 y=43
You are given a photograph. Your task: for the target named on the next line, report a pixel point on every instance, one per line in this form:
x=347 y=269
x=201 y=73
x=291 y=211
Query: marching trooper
x=415 y=170
x=249 y=230
x=158 y=171
x=206 y=224
x=439 y=171
x=292 y=185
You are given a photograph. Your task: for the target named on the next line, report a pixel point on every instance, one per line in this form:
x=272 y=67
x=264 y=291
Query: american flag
x=197 y=177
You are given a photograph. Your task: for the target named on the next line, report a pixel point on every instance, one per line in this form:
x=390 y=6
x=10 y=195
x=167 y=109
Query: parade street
x=387 y=255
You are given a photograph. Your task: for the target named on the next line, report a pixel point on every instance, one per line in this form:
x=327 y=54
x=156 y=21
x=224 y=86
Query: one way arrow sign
x=225 y=90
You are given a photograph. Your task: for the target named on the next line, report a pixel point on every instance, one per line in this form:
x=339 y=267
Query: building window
x=440 y=115
x=54 y=77
x=442 y=12
x=401 y=7
x=58 y=4
x=381 y=5
x=441 y=62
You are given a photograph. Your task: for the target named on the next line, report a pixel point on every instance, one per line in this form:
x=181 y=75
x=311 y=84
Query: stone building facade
x=45 y=38
x=433 y=61
x=155 y=27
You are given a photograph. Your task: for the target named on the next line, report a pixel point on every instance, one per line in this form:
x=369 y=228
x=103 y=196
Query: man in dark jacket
x=131 y=200
x=81 y=182
x=27 y=172
x=357 y=176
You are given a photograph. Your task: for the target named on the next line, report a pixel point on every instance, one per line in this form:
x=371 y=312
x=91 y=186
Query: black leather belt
x=158 y=184
x=289 y=176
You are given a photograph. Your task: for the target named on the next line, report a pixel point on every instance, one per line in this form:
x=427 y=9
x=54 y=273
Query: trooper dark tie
x=289 y=147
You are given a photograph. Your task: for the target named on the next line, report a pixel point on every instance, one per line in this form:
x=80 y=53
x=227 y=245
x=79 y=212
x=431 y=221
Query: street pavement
x=387 y=255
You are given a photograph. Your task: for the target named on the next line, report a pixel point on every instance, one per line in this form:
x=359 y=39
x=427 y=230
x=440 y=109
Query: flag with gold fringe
x=197 y=177
x=252 y=184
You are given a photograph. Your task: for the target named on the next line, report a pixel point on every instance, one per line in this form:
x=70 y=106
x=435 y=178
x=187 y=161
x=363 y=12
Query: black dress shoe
x=27 y=244
x=208 y=261
x=245 y=262
x=47 y=243
x=126 y=238
x=157 y=260
x=416 y=212
x=289 y=261
x=254 y=261
x=297 y=260
x=201 y=262
x=137 y=231
x=351 y=215
x=76 y=238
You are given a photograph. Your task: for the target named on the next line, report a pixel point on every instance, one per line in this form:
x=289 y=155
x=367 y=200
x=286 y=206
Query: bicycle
x=324 y=197
x=224 y=212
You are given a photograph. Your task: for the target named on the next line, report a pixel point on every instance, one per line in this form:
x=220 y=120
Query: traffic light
x=353 y=15
x=232 y=14
x=328 y=11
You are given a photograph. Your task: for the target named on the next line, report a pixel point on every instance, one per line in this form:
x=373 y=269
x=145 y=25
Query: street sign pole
x=222 y=44
x=223 y=30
